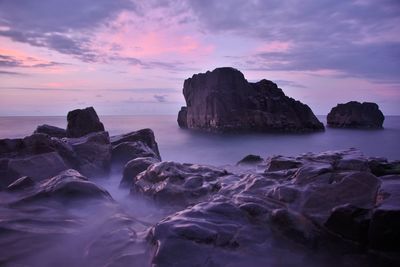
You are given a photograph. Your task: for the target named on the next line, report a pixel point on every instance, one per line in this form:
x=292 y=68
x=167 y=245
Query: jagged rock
x=182 y=117
x=134 y=167
x=92 y=153
x=250 y=159
x=177 y=184
x=381 y=166
x=145 y=136
x=356 y=115
x=82 y=122
x=52 y=131
x=67 y=186
x=126 y=151
x=223 y=100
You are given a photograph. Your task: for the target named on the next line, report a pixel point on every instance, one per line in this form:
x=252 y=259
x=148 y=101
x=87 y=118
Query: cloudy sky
x=131 y=57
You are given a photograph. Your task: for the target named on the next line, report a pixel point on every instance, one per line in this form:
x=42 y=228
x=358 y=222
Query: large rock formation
x=82 y=122
x=356 y=115
x=223 y=100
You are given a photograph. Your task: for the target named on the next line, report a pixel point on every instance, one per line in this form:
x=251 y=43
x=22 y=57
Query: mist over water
x=190 y=146
x=84 y=234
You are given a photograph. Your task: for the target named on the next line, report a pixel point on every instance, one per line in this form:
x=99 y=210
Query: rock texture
x=82 y=122
x=356 y=115
x=139 y=144
x=52 y=131
x=314 y=202
x=133 y=168
x=223 y=100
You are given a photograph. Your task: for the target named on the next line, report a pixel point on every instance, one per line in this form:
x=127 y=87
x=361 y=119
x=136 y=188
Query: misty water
x=75 y=225
x=182 y=145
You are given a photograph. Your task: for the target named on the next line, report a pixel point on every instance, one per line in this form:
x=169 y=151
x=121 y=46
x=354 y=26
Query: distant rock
x=52 y=131
x=250 y=159
x=82 y=122
x=223 y=100
x=356 y=115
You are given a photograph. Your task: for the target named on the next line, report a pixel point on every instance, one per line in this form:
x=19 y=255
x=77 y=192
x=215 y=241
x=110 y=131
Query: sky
x=127 y=57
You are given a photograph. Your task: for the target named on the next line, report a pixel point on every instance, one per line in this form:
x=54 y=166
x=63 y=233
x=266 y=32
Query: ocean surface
x=182 y=145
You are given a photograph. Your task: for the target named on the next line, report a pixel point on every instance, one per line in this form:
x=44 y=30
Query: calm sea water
x=195 y=147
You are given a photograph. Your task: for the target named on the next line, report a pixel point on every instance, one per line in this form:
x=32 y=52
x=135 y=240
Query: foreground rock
x=82 y=122
x=52 y=131
x=356 y=115
x=223 y=100
x=133 y=168
x=326 y=205
x=177 y=184
x=138 y=144
x=67 y=186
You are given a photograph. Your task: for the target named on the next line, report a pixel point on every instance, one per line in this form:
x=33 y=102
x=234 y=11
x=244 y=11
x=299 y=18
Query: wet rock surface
x=223 y=100
x=336 y=208
x=356 y=115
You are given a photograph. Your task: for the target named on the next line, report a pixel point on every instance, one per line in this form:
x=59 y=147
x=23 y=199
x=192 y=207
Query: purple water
x=195 y=147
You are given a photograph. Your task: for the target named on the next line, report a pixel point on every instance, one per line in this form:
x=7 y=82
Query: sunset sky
x=131 y=57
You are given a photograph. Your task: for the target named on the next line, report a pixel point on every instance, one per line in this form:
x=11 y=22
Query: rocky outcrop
x=311 y=202
x=133 y=168
x=356 y=115
x=177 y=184
x=67 y=186
x=82 y=122
x=52 y=131
x=223 y=100
x=139 y=144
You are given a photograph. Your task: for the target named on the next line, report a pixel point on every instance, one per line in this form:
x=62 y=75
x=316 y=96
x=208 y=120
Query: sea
x=183 y=145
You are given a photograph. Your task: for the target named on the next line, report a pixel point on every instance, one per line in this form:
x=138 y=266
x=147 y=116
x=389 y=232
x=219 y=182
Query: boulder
x=134 y=167
x=223 y=100
x=145 y=136
x=38 y=167
x=126 y=151
x=82 y=122
x=177 y=184
x=92 y=153
x=350 y=222
x=250 y=159
x=356 y=115
x=67 y=186
x=52 y=131
x=182 y=117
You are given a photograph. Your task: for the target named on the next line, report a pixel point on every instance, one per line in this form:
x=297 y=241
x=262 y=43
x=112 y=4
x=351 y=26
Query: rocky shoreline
x=337 y=208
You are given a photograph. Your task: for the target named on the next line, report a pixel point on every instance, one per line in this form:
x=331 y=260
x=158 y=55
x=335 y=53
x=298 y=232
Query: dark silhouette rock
x=182 y=117
x=82 y=122
x=52 y=131
x=134 y=167
x=250 y=159
x=146 y=136
x=384 y=231
x=223 y=100
x=91 y=153
x=126 y=151
x=356 y=115
x=350 y=222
